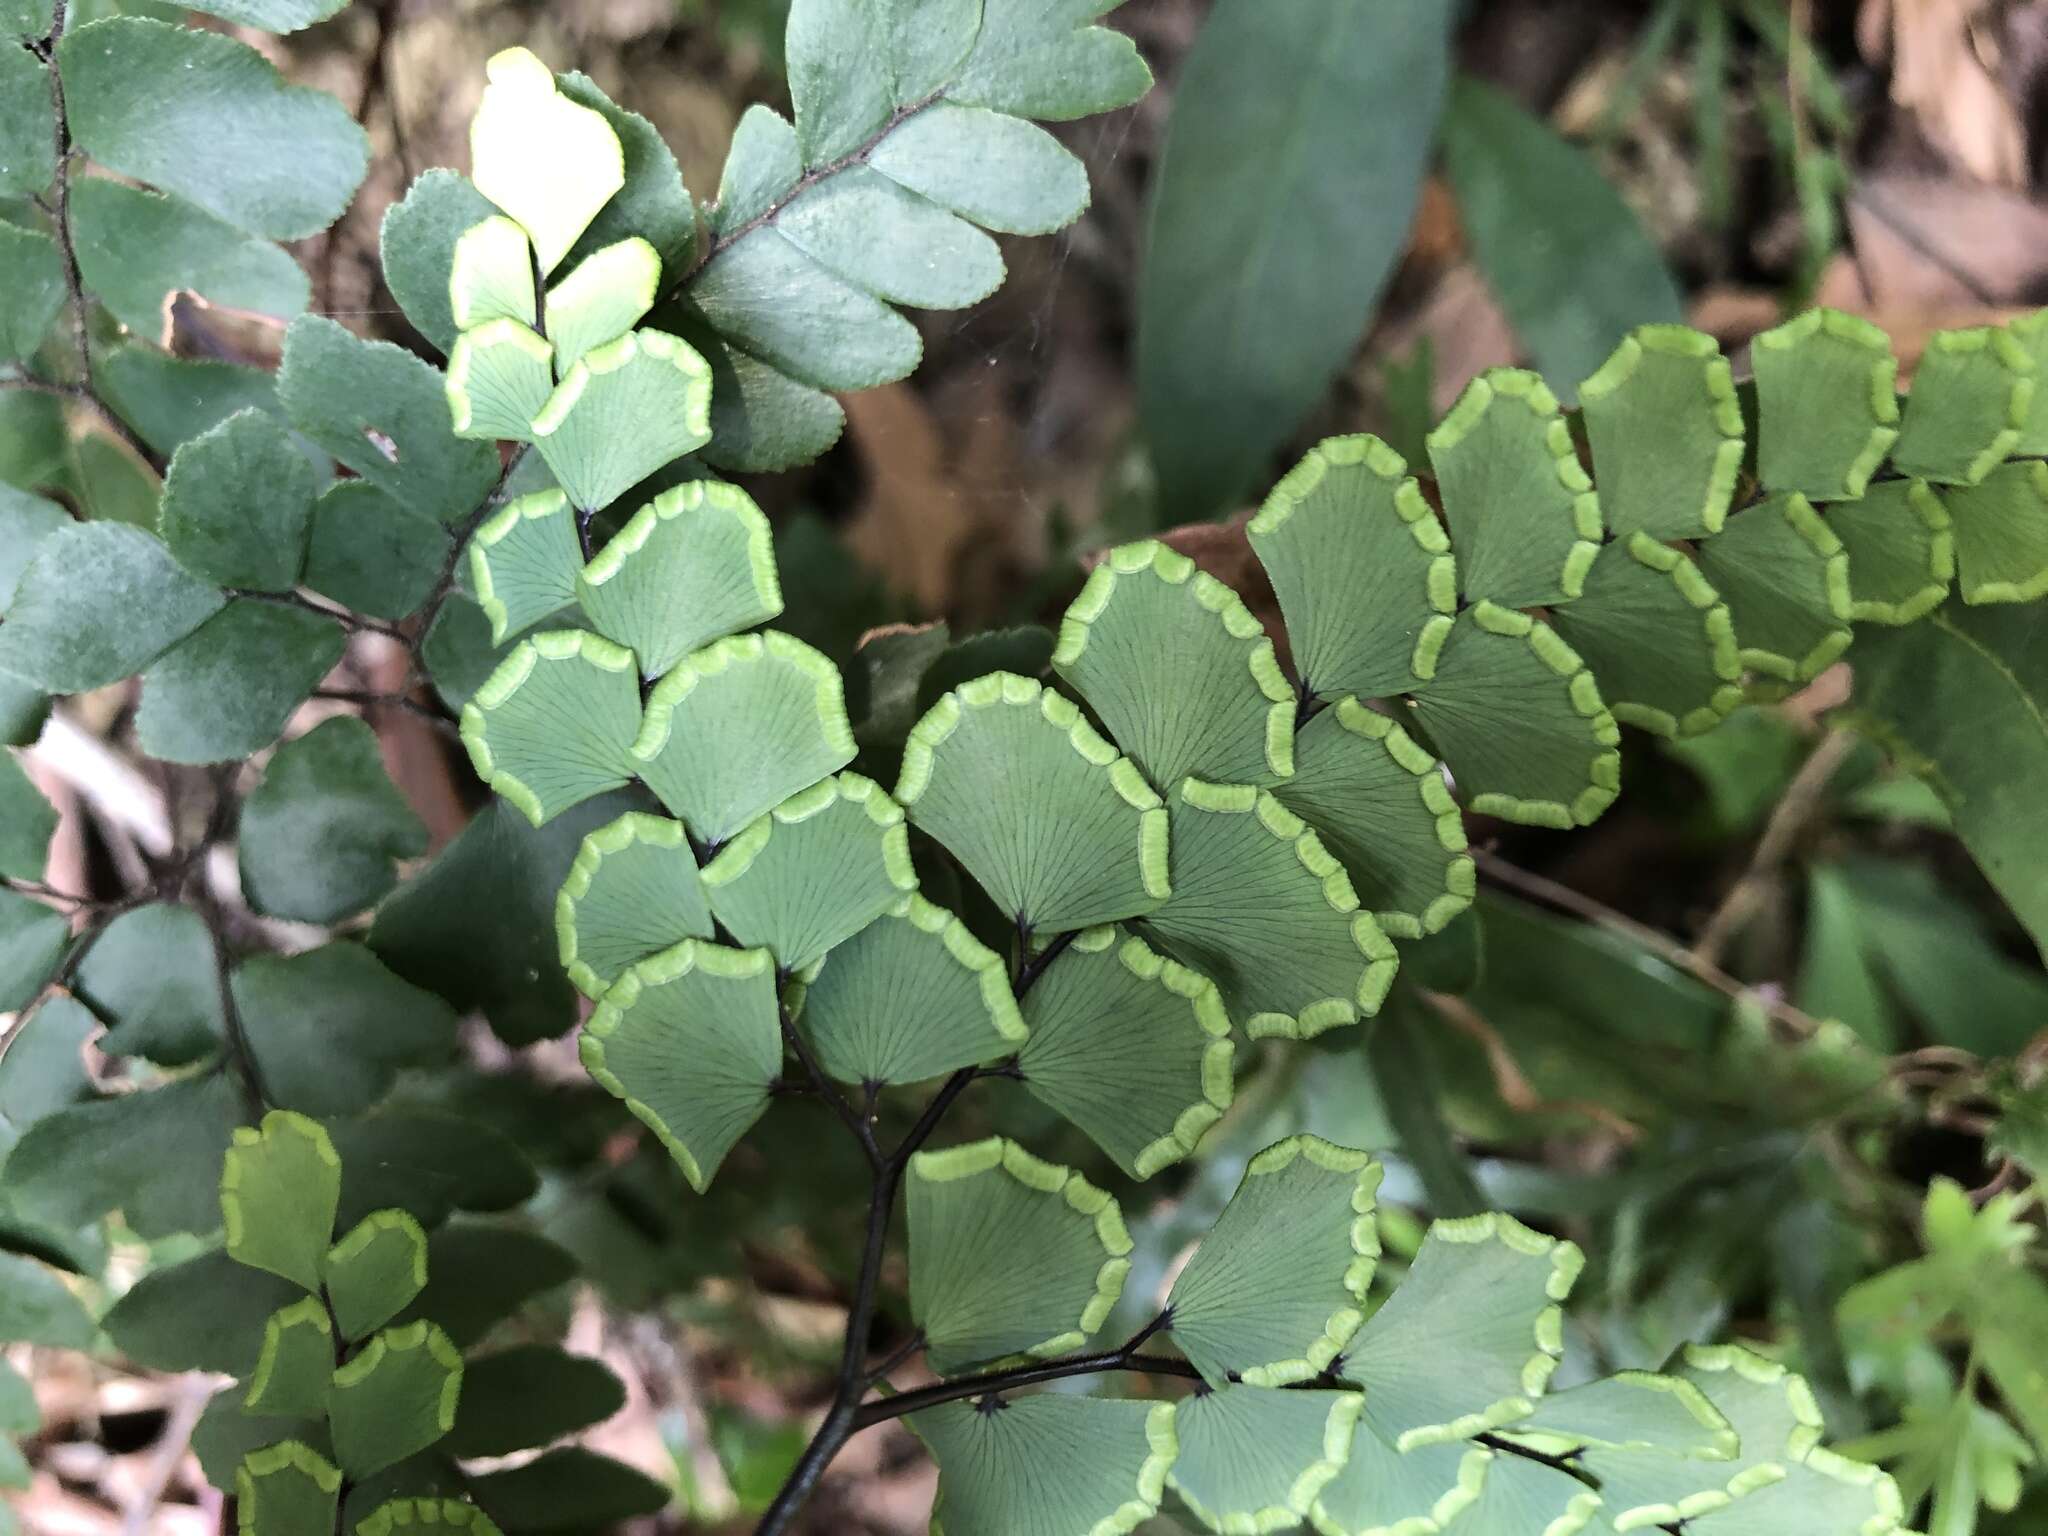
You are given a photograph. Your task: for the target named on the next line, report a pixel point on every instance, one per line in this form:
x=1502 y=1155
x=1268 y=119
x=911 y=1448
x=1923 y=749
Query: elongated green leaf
x=1657 y=636
x=319 y=835
x=371 y=553
x=1972 y=396
x=500 y=375
x=1130 y=1046
x=1630 y=1411
x=623 y=411
x=1261 y=269
x=911 y=996
x=842 y=91
x=1048 y=62
x=1076 y=837
x=1008 y=1255
x=1469 y=1339
x=206 y=117
x=1274 y=1293
x=693 y=565
x=97 y=603
x=690 y=1039
x=523 y=562
x=741 y=726
x=28 y=159
x=1261 y=908
x=632 y=892
x=1061 y=1463
x=1384 y=1492
x=1524 y=518
x=1379 y=804
x=1785 y=579
x=279 y=1187
x=550 y=162
x=1003 y=173
x=883 y=238
x=528 y=1396
x=2000 y=530
x=375 y=1271
x=774 y=303
x=1541 y=217
x=396 y=1397
x=136 y=249
x=1519 y=719
x=330 y=1027
x=296 y=1360
x=288 y=1488
x=814 y=871
x=382 y=412
x=226 y=690
x=762 y=168
x=1178 y=669
x=417 y=245
x=1252 y=1460
x=1901 y=551
x=1825 y=393
x=1963 y=698
x=553 y=725
x=1361 y=567
x=1666 y=432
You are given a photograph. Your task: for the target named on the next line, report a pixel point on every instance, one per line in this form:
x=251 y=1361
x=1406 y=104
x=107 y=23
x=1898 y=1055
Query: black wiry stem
x=1101 y=1363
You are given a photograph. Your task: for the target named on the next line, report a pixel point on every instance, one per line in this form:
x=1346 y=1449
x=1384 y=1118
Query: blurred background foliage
x=1764 y=1040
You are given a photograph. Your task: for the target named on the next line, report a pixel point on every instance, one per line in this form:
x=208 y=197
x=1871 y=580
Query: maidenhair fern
x=1194 y=832
x=1188 y=845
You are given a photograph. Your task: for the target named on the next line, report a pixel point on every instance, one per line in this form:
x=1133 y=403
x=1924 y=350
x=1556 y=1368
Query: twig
x=1514 y=1088
x=342 y=616
x=369 y=699
x=1664 y=947
x=194 y=1390
x=60 y=206
x=1795 y=808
